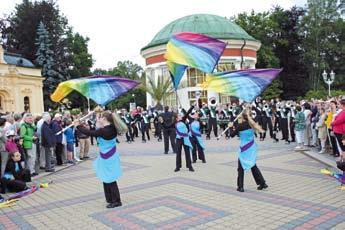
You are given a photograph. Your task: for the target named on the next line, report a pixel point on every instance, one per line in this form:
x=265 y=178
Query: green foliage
x=137 y=95
x=159 y=90
x=324 y=42
x=129 y=70
x=322 y=94
x=45 y=60
x=81 y=58
x=68 y=53
x=75 y=111
x=273 y=91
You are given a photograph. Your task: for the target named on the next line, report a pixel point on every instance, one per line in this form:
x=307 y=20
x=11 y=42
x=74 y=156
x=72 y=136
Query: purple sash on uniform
x=181 y=134
x=194 y=133
x=108 y=154
x=247 y=146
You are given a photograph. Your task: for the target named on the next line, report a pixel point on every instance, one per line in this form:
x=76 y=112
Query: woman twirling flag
x=246 y=85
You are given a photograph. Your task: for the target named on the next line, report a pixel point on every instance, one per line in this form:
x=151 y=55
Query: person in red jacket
x=338 y=126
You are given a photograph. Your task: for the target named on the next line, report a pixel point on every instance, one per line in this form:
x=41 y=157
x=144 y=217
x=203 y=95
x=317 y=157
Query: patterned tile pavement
x=155 y=197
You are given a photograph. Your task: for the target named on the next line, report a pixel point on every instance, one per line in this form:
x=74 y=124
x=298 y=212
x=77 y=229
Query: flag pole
x=238 y=116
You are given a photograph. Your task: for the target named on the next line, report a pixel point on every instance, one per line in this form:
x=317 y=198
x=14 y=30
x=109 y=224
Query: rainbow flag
x=192 y=50
x=101 y=89
x=244 y=84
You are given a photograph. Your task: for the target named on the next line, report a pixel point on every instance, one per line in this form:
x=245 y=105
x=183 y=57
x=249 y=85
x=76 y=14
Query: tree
x=286 y=43
x=46 y=61
x=80 y=56
x=18 y=31
x=129 y=70
x=261 y=27
x=159 y=91
x=323 y=44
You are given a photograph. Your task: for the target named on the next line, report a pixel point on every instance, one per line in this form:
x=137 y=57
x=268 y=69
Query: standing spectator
x=48 y=142
x=3 y=153
x=84 y=142
x=338 y=126
x=333 y=141
x=315 y=115
x=69 y=134
x=56 y=126
x=39 y=134
x=27 y=131
x=299 y=127
x=322 y=129
x=17 y=119
x=307 y=131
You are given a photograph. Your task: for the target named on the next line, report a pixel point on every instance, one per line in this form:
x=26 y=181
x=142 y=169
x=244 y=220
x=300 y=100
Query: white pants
x=31 y=154
x=299 y=136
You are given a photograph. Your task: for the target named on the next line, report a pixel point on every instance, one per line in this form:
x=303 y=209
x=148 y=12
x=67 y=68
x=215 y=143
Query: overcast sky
x=118 y=29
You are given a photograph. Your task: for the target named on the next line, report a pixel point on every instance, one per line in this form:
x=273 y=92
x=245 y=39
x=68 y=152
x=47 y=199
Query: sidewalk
x=324 y=158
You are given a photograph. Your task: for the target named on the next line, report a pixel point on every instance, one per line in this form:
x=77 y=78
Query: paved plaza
x=156 y=197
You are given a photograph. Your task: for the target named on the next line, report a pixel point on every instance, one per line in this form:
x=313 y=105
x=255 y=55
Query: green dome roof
x=207 y=24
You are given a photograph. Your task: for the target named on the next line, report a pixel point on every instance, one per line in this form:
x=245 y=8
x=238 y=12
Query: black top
x=11 y=168
x=107 y=132
x=48 y=138
x=240 y=127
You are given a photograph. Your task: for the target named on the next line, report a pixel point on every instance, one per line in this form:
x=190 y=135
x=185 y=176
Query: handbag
x=341 y=165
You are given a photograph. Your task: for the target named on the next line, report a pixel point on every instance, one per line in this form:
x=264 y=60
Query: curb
x=43 y=175
x=323 y=160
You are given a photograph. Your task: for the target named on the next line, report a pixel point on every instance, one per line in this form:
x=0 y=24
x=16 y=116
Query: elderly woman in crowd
x=322 y=129
x=27 y=131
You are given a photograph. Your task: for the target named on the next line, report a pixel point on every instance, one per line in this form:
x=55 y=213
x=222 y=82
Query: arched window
x=26 y=104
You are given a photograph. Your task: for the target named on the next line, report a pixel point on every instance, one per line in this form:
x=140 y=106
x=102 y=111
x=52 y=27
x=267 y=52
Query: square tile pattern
x=160 y=213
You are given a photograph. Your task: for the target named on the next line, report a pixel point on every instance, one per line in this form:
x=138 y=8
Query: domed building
x=240 y=53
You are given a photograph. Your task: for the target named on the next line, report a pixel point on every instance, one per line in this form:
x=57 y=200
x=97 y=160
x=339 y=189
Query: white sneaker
x=322 y=151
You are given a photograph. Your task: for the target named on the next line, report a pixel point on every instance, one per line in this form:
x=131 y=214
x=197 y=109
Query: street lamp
x=328 y=80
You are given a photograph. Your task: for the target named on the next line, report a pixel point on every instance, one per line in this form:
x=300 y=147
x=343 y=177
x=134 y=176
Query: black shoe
x=240 y=189
x=208 y=138
x=204 y=161
x=34 y=174
x=336 y=155
x=194 y=161
x=159 y=140
x=114 y=205
x=261 y=187
x=176 y=170
x=287 y=142
x=191 y=169
x=165 y=152
x=50 y=170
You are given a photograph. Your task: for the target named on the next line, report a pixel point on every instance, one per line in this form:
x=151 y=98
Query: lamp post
x=328 y=79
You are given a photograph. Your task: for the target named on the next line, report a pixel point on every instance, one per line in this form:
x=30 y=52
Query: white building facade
x=240 y=53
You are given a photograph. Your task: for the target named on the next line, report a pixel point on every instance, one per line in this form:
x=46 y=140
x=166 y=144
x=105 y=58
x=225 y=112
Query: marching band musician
x=267 y=121
x=157 y=122
x=224 y=113
x=145 y=126
x=212 y=119
x=284 y=116
x=203 y=111
x=127 y=119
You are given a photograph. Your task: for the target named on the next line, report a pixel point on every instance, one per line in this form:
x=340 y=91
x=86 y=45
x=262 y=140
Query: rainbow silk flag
x=101 y=89
x=192 y=50
x=244 y=84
